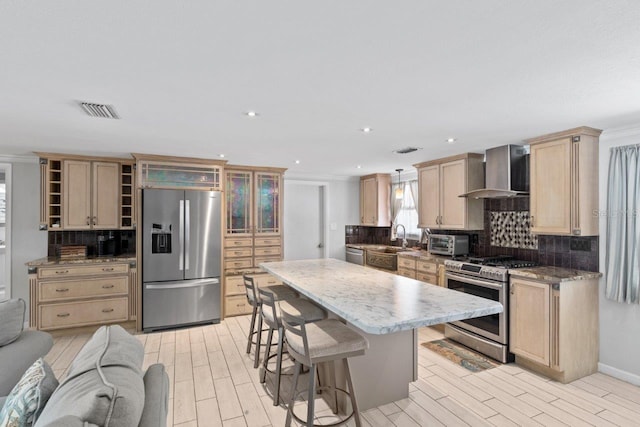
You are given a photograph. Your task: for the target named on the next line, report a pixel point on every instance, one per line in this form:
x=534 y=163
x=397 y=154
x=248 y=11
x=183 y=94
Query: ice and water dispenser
x=161 y=239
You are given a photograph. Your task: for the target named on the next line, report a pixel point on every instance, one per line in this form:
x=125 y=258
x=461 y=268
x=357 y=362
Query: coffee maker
x=107 y=245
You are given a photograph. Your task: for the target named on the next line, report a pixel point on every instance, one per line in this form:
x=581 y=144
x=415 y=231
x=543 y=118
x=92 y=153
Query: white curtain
x=396 y=204
x=622 y=261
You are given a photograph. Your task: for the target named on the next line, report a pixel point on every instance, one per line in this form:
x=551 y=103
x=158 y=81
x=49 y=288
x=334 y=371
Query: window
x=407 y=213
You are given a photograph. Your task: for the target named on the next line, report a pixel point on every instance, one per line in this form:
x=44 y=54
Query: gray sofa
x=19 y=355
x=105 y=386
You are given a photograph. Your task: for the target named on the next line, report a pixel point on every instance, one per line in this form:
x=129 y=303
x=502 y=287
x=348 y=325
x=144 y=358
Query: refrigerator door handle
x=181 y=238
x=182 y=284
x=187 y=233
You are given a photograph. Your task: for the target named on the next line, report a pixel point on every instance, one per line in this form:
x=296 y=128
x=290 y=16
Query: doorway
x=5 y=231
x=305 y=213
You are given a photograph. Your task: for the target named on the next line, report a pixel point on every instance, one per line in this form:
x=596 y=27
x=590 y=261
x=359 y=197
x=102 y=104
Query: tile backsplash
x=125 y=240
x=506 y=235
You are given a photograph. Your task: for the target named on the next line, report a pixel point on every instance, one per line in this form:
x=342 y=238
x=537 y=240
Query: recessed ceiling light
x=451 y=140
x=251 y=114
x=359 y=167
x=221 y=155
x=297 y=162
x=366 y=130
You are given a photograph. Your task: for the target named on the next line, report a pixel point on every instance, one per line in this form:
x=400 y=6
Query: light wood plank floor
x=213 y=383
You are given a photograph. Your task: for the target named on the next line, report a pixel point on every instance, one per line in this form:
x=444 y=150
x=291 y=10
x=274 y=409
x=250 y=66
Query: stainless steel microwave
x=451 y=245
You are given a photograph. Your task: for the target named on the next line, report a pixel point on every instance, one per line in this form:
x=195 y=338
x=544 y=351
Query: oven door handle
x=472 y=281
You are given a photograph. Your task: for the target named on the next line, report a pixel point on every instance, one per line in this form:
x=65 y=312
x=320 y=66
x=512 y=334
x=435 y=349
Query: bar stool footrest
x=318 y=391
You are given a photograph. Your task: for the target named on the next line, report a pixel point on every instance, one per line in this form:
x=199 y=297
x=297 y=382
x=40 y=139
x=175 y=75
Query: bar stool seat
x=313 y=343
x=270 y=312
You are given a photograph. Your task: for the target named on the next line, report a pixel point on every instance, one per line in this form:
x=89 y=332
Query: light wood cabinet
x=440 y=183
x=90 y=195
x=375 y=207
x=553 y=327
x=425 y=270
x=83 y=193
x=564 y=183
x=74 y=295
x=253 y=228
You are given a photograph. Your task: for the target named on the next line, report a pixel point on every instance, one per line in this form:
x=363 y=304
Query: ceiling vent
x=99 y=110
x=406 y=150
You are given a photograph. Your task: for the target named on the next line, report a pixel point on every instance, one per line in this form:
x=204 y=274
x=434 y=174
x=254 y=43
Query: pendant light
x=399 y=190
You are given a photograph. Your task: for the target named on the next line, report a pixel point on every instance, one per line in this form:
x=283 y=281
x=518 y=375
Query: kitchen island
x=386 y=309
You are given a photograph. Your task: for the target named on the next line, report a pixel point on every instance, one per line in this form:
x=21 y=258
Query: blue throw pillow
x=27 y=399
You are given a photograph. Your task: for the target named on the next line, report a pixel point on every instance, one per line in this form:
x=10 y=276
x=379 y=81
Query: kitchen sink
x=385 y=257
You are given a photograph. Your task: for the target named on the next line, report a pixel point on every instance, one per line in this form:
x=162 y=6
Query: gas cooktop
x=505 y=261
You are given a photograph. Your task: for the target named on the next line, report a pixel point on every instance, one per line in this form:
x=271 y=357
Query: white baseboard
x=619 y=374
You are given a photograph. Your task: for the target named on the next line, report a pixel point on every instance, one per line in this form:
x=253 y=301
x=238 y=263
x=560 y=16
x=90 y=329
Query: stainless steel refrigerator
x=181 y=243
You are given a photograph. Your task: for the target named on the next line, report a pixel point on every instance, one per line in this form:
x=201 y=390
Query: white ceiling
x=181 y=74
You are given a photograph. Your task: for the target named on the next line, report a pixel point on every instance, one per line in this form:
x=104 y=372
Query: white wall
x=27 y=242
x=619 y=323
x=344 y=208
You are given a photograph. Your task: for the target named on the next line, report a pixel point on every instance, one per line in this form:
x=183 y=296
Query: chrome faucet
x=404 y=235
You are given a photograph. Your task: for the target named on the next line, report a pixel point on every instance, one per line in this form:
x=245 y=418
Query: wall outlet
x=333 y=226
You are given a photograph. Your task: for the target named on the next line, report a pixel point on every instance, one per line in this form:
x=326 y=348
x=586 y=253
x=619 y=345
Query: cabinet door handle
x=62 y=271
x=108 y=269
x=240 y=305
x=95 y=220
x=531 y=220
x=513 y=289
x=62 y=290
x=237 y=253
x=107 y=286
x=88 y=220
x=64 y=315
x=107 y=310
x=237 y=243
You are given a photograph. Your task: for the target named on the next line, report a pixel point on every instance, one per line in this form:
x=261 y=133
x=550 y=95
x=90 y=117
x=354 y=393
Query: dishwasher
x=355 y=256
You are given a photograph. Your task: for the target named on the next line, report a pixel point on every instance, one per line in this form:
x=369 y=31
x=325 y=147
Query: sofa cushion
x=21 y=354
x=11 y=320
x=104 y=385
x=156 y=389
x=28 y=398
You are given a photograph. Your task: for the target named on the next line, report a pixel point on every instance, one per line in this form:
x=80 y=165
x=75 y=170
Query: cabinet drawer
x=426 y=277
x=82 y=270
x=237 y=243
x=427 y=267
x=259 y=260
x=266 y=280
x=238 y=252
x=268 y=251
x=238 y=263
x=61 y=290
x=234 y=285
x=411 y=274
x=236 y=305
x=55 y=316
x=406 y=263
x=267 y=241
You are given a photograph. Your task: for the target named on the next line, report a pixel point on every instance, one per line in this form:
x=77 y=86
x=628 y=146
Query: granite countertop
x=375 y=301
x=410 y=252
x=554 y=274
x=42 y=262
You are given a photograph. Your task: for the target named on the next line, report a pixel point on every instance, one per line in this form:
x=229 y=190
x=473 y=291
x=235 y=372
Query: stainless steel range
x=486 y=278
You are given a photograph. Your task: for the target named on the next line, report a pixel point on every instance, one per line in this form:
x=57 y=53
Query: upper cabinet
x=375 y=209
x=254 y=202
x=90 y=194
x=80 y=193
x=155 y=171
x=440 y=183
x=564 y=182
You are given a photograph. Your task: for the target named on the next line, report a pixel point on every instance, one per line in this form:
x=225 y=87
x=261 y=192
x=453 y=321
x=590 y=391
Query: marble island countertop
x=46 y=261
x=375 y=301
x=553 y=274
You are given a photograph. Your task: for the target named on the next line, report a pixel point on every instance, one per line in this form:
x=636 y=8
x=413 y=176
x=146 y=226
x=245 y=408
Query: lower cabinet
x=235 y=295
x=73 y=295
x=425 y=270
x=553 y=327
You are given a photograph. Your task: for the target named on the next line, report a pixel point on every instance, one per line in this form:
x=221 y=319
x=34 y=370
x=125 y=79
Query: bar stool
x=280 y=292
x=312 y=343
x=270 y=311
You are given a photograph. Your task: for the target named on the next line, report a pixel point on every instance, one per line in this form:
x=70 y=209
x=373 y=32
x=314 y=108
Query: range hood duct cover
x=506 y=173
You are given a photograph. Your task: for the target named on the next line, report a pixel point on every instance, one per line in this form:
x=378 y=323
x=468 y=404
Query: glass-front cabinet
x=239 y=198
x=267 y=208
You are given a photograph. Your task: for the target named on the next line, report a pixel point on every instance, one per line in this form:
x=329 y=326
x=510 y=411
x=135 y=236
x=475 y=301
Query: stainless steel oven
x=487 y=334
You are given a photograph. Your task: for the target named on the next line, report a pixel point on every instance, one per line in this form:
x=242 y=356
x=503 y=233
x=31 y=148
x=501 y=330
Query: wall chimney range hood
x=506 y=173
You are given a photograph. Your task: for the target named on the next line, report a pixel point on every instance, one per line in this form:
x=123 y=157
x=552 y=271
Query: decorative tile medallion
x=512 y=229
